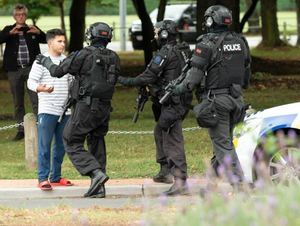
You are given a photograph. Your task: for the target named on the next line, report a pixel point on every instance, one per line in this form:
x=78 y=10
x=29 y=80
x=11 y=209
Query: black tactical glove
x=44 y=61
x=126 y=81
x=176 y=89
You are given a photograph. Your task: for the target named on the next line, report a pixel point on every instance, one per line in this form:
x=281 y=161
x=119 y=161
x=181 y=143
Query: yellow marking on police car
x=235 y=142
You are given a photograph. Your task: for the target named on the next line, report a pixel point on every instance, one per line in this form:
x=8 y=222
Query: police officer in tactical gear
x=165 y=66
x=96 y=70
x=220 y=69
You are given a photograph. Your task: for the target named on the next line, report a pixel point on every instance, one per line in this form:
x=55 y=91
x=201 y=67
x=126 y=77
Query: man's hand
x=44 y=88
x=33 y=29
x=15 y=30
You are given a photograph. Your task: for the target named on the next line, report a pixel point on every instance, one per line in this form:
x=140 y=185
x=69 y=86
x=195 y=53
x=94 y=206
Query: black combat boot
x=179 y=187
x=98 y=178
x=164 y=175
x=101 y=193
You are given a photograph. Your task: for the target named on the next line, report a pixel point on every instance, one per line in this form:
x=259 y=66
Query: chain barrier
x=110 y=132
x=148 y=132
x=11 y=126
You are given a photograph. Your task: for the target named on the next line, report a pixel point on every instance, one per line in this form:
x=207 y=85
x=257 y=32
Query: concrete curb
x=77 y=191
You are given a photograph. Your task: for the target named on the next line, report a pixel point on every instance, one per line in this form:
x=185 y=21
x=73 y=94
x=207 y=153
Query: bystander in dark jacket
x=21 y=47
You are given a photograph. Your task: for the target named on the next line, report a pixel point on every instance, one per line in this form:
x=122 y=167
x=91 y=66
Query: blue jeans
x=49 y=127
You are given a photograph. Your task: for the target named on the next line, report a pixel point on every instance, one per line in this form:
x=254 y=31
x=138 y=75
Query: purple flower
x=227 y=160
x=221 y=170
x=259 y=184
x=163 y=200
x=273 y=202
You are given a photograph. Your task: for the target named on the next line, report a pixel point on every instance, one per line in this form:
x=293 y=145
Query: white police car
x=283 y=163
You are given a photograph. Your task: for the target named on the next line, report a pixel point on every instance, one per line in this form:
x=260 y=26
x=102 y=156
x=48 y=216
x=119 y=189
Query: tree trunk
x=62 y=19
x=252 y=17
x=147 y=28
x=201 y=8
x=161 y=10
x=298 y=20
x=270 y=31
x=77 y=24
x=33 y=21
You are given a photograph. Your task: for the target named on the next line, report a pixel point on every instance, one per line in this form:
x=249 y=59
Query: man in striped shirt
x=52 y=96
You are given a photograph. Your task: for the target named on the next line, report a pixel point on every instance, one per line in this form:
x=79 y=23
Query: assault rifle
x=177 y=81
x=141 y=99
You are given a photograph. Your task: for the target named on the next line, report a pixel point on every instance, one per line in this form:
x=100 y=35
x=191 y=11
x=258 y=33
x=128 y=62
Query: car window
x=173 y=12
x=192 y=12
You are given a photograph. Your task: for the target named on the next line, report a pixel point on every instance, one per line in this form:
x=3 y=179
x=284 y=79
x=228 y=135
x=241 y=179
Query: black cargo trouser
x=92 y=125
x=221 y=136
x=17 y=81
x=170 y=146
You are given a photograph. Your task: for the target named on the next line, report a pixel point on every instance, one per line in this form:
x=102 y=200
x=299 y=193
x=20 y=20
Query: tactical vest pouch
x=74 y=89
x=235 y=90
x=111 y=75
x=239 y=112
x=101 y=76
x=206 y=114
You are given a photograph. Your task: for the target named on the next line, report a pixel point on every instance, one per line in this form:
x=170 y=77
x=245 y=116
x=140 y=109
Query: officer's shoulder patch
x=198 y=50
x=157 y=59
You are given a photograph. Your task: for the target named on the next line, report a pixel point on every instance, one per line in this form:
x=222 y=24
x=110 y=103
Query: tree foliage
x=36 y=8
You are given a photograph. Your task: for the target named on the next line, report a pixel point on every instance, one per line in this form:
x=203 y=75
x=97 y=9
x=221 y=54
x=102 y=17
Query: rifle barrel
x=165 y=97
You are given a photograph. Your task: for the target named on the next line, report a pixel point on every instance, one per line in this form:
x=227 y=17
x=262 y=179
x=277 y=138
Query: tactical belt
x=219 y=91
x=214 y=92
x=88 y=100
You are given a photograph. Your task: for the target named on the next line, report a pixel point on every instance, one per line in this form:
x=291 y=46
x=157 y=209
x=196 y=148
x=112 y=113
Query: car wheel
x=281 y=165
x=284 y=166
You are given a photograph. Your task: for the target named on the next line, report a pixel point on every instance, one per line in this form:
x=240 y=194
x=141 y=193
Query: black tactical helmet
x=217 y=15
x=99 y=30
x=166 y=28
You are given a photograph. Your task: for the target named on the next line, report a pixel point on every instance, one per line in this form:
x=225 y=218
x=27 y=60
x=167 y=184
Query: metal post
x=31 y=140
x=114 y=30
x=284 y=32
x=122 y=12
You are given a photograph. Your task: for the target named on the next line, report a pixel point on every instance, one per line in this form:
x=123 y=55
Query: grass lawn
x=64 y=216
x=280 y=53
x=129 y=156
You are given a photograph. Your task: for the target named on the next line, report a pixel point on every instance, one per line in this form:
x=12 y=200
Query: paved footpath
x=26 y=194
x=114 y=187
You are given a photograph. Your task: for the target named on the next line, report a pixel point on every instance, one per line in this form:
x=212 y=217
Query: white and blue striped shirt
x=50 y=103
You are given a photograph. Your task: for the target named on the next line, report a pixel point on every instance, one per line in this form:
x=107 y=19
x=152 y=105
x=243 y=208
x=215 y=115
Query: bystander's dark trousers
x=92 y=125
x=221 y=137
x=17 y=80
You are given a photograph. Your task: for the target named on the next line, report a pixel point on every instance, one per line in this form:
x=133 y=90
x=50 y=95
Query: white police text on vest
x=232 y=47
